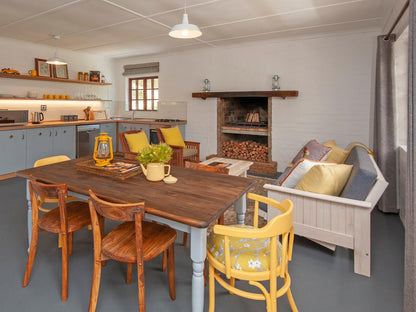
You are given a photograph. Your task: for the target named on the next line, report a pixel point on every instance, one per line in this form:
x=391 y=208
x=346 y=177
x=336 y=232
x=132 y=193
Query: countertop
x=59 y=123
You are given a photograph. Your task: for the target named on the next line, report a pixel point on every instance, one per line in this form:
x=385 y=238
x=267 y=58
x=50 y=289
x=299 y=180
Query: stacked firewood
x=249 y=150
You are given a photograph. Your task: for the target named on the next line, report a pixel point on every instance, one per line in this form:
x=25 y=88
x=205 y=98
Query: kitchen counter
x=59 y=123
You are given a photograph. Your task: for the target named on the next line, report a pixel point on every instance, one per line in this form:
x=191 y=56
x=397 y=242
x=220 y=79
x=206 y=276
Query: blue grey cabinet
x=39 y=145
x=13 y=151
x=63 y=141
x=51 y=141
x=110 y=129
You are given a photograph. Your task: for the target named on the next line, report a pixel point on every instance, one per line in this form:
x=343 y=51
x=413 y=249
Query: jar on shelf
x=86 y=77
x=207 y=86
x=80 y=76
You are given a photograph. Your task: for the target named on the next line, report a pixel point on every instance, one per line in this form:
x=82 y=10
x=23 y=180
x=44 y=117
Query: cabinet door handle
x=56 y=132
x=40 y=133
x=64 y=131
x=11 y=136
x=23 y=136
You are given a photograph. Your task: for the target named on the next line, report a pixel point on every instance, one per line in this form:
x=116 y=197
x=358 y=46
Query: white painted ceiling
x=119 y=28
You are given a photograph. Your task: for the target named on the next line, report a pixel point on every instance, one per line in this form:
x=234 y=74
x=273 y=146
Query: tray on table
x=119 y=168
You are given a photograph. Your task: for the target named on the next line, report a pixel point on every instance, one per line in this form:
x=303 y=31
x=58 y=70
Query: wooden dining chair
x=64 y=219
x=133 y=241
x=48 y=161
x=199 y=166
x=131 y=142
x=255 y=255
x=181 y=150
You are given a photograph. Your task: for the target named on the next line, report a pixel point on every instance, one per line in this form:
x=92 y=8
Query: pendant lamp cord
x=406 y=5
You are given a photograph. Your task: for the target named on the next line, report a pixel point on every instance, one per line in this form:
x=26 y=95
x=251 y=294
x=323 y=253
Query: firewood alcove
x=244 y=126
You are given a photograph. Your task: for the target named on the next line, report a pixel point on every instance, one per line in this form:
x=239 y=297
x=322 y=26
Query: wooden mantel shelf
x=228 y=94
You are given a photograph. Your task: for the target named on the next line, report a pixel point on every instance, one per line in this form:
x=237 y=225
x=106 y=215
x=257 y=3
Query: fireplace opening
x=244 y=131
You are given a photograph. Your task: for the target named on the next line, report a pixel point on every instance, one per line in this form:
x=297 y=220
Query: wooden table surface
x=197 y=199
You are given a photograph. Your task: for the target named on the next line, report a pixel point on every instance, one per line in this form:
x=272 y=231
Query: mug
x=50 y=96
x=32 y=72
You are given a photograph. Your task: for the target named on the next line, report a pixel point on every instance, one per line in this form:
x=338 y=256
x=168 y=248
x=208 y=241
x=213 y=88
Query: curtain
x=384 y=132
x=409 y=302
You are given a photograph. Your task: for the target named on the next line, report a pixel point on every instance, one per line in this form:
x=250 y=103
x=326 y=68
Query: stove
x=167 y=120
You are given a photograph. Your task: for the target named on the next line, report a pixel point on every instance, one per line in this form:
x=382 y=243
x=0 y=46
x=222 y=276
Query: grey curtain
x=409 y=303
x=384 y=138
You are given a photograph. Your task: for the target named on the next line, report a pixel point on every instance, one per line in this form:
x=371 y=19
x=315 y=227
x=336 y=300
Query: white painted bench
x=334 y=221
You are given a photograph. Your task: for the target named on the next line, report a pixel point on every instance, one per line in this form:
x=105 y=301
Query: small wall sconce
x=207 y=86
x=275 y=83
x=103 y=150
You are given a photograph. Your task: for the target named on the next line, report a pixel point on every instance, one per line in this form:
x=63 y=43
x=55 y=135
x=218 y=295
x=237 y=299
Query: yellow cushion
x=137 y=141
x=173 y=136
x=247 y=254
x=325 y=179
x=337 y=155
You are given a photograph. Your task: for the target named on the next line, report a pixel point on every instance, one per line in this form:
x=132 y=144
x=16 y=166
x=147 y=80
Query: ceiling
x=120 y=28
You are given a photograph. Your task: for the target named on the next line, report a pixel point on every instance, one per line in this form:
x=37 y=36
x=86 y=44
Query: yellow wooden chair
x=41 y=200
x=253 y=254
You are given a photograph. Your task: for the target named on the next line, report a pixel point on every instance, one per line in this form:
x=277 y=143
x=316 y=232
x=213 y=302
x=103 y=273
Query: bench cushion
x=363 y=175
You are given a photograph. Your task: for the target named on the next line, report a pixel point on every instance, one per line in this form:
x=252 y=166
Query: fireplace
x=244 y=126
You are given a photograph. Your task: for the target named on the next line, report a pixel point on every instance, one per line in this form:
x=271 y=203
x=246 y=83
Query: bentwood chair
x=131 y=142
x=253 y=254
x=65 y=219
x=133 y=241
x=199 y=166
x=181 y=150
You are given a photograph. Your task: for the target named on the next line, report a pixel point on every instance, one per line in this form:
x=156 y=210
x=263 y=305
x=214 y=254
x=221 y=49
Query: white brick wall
x=334 y=76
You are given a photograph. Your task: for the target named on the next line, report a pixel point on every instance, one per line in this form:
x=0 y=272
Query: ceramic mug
x=32 y=72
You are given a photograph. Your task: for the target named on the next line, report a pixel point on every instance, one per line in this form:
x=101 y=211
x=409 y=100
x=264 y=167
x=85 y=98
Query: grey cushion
x=363 y=174
x=312 y=151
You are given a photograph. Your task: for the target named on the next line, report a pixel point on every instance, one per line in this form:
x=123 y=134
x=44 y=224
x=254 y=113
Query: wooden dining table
x=195 y=201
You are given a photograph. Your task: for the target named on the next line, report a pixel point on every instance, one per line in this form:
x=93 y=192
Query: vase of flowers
x=152 y=160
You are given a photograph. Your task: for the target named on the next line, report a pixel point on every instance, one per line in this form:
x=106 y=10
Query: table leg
x=198 y=255
x=29 y=215
x=240 y=209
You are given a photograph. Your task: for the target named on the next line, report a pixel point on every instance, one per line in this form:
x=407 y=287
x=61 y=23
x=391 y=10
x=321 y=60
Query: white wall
x=20 y=55
x=333 y=74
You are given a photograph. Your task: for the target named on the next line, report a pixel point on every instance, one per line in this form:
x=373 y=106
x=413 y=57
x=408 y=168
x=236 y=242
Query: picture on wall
x=60 y=71
x=43 y=69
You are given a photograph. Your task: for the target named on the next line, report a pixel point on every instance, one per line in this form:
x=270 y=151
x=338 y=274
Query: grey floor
x=321 y=280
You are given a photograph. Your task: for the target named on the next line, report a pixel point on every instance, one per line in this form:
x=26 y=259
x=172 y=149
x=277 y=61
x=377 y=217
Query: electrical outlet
x=43 y=108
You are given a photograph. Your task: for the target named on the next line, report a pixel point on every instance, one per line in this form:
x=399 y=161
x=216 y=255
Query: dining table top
x=197 y=199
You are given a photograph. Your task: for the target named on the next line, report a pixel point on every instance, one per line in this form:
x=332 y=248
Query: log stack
x=248 y=150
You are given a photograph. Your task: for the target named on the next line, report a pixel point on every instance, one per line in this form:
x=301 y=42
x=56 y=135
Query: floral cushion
x=247 y=254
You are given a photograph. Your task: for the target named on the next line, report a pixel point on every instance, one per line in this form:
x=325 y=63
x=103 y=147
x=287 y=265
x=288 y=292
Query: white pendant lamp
x=185 y=30
x=55 y=60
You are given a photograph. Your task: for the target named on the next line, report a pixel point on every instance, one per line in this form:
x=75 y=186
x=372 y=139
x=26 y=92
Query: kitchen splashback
x=54 y=108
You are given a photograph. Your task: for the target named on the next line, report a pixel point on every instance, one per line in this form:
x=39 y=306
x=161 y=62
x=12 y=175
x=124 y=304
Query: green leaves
x=155 y=153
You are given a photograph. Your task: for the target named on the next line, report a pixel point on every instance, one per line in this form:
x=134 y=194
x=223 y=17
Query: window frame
x=149 y=105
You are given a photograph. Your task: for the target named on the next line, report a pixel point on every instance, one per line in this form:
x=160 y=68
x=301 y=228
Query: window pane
x=134 y=94
x=155 y=105
x=140 y=81
x=149 y=83
x=141 y=94
x=156 y=83
x=134 y=84
x=149 y=94
x=141 y=105
x=134 y=105
x=156 y=94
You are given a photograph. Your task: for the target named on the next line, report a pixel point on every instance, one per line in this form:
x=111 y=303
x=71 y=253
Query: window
x=143 y=93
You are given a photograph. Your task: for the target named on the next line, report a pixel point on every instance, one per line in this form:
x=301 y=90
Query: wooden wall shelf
x=42 y=99
x=229 y=94
x=27 y=77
